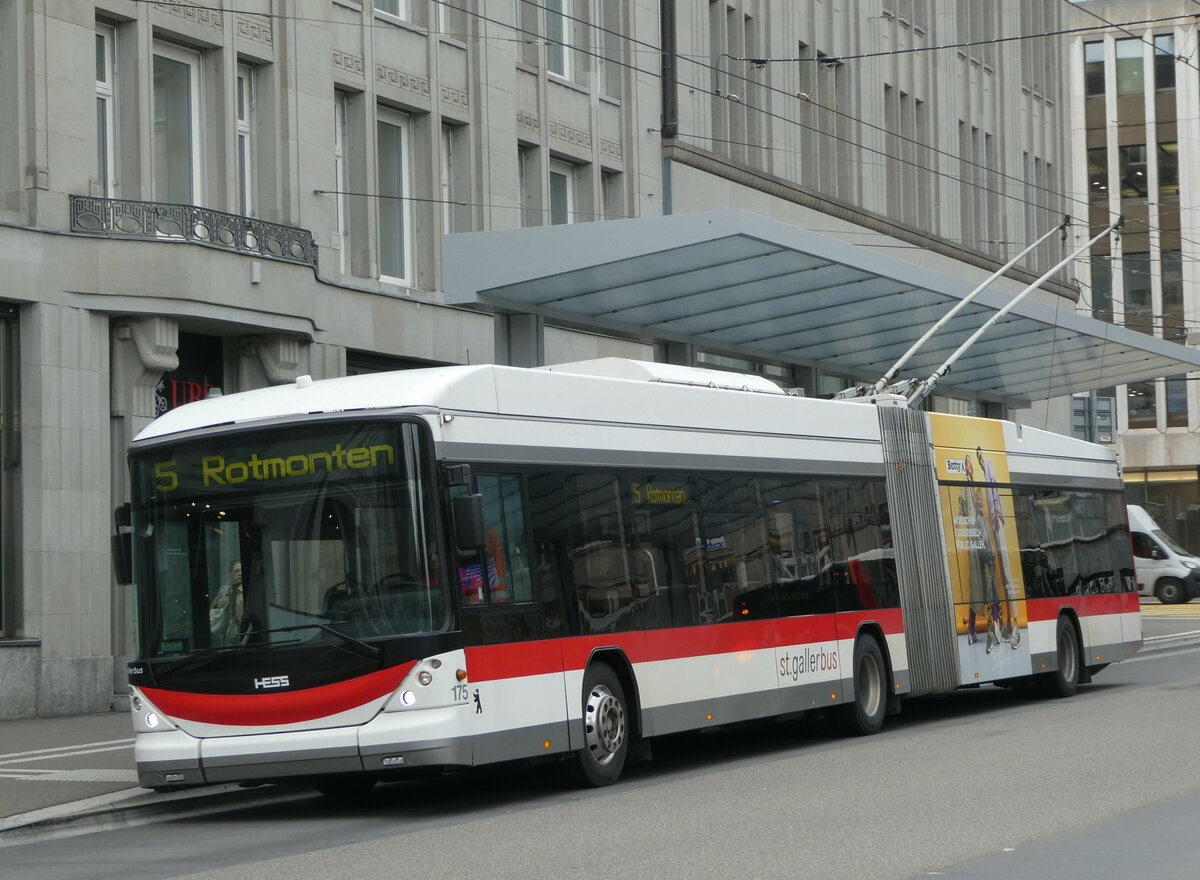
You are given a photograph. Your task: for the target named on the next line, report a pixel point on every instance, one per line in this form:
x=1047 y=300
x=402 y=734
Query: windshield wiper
x=351 y=644
x=348 y=643
x=198 y=656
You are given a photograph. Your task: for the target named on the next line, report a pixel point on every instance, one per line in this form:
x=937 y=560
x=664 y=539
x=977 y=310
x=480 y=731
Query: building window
x=527 y=24
x=395 y=218
x=1093 y=68
x=1142 y=404
x=562 y=193
x=1102 y=304
x=105 y=129
x=558 y=37
x=1174 y=328
x=1177 y=410
x=245 y=145
x=395 y=8
x=1164 y=62
x=450 y=16
x=1134 y=183
x=612 y=195
x=611 y=37
x=527 y=175
x=449 y=191
x=339 y=175
x=1129 y=67
x=1139 y=309
x=1168 y=170
x=177 y=96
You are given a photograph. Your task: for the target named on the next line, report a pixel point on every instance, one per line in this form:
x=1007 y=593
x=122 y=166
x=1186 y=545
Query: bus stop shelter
x=742 y=284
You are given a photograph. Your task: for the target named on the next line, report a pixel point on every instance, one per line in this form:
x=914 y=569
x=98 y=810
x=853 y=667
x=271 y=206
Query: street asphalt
x=59 y=776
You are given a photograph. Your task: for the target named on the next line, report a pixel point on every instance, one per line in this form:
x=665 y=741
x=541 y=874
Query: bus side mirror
x=468 y=522
x=122 y=546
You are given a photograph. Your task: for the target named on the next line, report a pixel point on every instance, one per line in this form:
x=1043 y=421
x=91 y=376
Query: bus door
x=515 y=674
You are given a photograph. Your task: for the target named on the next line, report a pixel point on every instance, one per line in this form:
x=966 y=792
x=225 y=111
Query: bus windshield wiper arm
x=195 y=658
x=355 y=646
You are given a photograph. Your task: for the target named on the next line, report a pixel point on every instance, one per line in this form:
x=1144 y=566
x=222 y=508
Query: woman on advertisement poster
x=981 y=554
x=1012 y=625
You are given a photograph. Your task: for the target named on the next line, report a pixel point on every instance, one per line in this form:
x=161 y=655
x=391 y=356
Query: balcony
x=160 y=221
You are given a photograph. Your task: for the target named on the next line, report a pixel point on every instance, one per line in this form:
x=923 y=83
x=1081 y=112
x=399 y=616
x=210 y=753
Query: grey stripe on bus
x=542 y=457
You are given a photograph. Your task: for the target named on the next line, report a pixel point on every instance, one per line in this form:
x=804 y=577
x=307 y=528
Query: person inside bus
x=470 y=575
x=225 y=613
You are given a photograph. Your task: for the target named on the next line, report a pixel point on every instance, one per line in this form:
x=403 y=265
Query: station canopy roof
x=739 y=283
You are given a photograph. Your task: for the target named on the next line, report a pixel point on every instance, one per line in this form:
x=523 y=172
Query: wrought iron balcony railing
x=124 y=218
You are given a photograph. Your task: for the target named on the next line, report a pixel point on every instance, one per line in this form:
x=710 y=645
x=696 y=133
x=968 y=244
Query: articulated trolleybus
x=350 y=579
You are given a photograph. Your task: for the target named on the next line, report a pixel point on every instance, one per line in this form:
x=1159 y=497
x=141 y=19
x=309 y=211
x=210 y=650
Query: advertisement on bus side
x=981 y=547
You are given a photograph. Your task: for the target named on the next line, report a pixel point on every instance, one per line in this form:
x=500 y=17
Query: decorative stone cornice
x=573 y=136
x=213 y=18
x=455 y=98
x=256 y=28
x=352 y=64
x=408 y=82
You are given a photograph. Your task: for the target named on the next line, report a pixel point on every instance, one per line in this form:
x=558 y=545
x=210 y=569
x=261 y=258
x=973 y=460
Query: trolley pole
x=887 y=377
x=924 y=388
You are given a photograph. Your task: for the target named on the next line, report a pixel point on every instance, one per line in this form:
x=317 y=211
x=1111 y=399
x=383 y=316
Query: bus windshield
x=289 y=536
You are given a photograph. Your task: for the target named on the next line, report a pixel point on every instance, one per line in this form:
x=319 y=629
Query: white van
x=1164 y=569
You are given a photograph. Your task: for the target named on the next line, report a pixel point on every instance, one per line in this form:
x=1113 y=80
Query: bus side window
x=548 y=512
x=508 y=577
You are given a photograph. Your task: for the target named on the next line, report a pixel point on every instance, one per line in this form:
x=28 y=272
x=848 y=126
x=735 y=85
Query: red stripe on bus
x=288 y=707
x=492 y=662
x=1084 y=606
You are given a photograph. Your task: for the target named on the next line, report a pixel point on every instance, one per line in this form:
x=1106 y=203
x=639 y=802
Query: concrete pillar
x=143 y=350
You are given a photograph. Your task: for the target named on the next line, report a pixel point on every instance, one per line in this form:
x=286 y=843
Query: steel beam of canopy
x=745 y=285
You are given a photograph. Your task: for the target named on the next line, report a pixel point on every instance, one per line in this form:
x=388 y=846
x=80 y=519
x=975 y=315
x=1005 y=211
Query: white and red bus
x=346 y=579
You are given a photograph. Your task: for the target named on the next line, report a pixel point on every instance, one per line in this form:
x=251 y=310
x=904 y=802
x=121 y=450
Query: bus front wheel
x=864 y=716
x=605 y=728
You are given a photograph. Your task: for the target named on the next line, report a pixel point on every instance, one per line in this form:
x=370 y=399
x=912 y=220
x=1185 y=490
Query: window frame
x=403 y=9
x=402 y=122
x=339 y=175
x=447 y=184
x=194 y=60
x=569 y=172
x=244 y=137
x=106 y=96
x=563 y=40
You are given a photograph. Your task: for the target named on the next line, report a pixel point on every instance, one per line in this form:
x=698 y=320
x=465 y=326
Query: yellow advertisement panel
x=981 y=545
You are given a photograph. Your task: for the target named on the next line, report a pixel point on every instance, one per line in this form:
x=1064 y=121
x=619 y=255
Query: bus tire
x=1064 y=681
x=1170 y=591
x=865 y=715
x=606 y=729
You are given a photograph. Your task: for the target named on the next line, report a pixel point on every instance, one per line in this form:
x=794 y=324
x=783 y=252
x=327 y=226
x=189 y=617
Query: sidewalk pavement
x=58 y=775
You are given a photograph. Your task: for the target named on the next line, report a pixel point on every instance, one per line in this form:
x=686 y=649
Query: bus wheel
x=605 y=728
x=1064 y=681
x=864 y=716
x=1169 y=591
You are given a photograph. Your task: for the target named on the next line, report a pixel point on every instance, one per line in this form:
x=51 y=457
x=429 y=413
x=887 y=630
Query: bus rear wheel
x=865 y=715
x=605 y=728
x=1064 y=681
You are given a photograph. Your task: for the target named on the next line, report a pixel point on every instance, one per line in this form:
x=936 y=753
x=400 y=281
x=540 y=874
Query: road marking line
x=66 y=754
x=107 y=742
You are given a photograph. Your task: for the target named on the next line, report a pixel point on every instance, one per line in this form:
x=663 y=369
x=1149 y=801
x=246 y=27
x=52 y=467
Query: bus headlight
x=425 y=678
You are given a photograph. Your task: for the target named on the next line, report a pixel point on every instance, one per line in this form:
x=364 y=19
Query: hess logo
x=271 y=681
